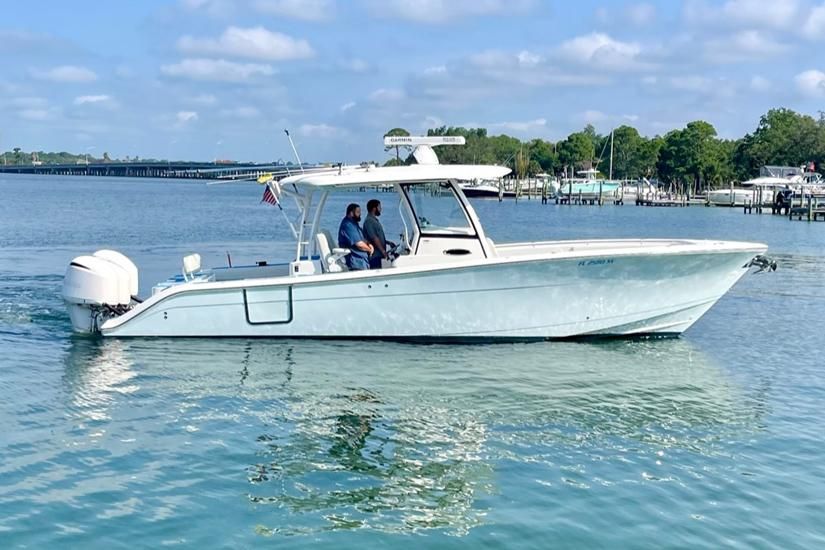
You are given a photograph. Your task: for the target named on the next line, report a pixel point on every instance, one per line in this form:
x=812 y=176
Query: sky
x=221 y=79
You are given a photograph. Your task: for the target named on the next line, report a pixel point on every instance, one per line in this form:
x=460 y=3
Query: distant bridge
x=183 y=170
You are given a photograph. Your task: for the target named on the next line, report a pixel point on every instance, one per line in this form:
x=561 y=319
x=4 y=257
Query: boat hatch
x=268 y=306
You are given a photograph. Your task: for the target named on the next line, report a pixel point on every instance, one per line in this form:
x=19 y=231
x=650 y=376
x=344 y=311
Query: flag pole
x=294 y=150
x=272 y=186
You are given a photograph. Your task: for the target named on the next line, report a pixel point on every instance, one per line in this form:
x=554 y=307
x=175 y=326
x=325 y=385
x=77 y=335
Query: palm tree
x=396 y=132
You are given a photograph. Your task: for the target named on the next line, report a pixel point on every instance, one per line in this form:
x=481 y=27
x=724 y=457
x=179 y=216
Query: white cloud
x=7 y=88
x=525 y=67
x=243 y=111
x=206 y=100
x=30 y=102
x=432 y=121
x=443 y=11
x=592 y=116
x=602 y=51
x=355 y=65
x=65 y=74
x=703 y=86
x=522 y=126
x=773 y=14
x=386 y=95
x=760 y=84
x=35 y=114
x=88 y=99
x=496 y=73
x=347 y=106
x=322 y=131
x=124 y=71
x=25 y=43
x=307 y=10
x=253 y=43
x=811 y=83
x=640 y=14
x=218 y=70
x=814 y=27
x=436 y=69
x=527 y=59
x=743 y=46
x=691 y=83
x=213 y=8
x=185 y=117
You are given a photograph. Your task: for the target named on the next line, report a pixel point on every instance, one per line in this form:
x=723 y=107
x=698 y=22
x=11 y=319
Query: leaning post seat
x=330 y=258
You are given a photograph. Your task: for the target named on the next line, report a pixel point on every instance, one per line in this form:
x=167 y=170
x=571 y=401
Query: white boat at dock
x=485 y=190
x=589 y=186
x=762 y=190
x=446 y=281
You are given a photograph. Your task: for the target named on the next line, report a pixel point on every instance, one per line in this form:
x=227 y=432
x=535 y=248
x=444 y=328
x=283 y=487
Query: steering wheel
x=400 y=249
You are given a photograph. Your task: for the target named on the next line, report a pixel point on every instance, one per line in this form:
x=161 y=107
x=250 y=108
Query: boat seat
x=331 y=258
x=191 y=265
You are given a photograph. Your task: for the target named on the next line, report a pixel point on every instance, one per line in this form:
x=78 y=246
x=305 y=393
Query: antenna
x=432 y=141
x=289 y=137
x=423 y=145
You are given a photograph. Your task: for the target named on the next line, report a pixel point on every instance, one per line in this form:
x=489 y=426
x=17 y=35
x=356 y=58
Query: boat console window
x=438 y=210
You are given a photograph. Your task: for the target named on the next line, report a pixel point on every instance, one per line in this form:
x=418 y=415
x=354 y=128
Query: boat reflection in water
x=399 y=438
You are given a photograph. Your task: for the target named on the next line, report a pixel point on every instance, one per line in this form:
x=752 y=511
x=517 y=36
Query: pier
x=669 y=201
x=589 y=198
x=811 y=207
x=151 y=169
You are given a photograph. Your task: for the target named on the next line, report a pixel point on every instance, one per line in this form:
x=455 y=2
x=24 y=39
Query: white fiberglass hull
x=530 y=291
x=736 y=197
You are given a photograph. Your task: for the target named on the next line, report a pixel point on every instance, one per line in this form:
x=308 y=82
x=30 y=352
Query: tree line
x=692 y=157
x=18 y=156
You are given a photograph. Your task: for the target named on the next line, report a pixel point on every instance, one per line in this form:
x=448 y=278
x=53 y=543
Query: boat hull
x=523 y=298
x=590 y=190
x=486 y=192
x=726 y=197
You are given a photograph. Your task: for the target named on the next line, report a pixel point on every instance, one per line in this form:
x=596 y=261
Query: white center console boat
x=446 y=280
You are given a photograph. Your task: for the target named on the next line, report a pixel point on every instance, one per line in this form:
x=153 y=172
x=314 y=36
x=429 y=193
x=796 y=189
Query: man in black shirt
x=374 y=234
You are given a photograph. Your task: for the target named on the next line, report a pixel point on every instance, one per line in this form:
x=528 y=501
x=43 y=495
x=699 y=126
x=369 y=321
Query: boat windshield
x=438 y=210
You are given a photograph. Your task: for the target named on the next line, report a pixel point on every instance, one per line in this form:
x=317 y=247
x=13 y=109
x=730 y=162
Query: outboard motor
x=99 y=287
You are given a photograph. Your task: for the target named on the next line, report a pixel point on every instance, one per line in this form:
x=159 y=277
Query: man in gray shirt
x=374 y=234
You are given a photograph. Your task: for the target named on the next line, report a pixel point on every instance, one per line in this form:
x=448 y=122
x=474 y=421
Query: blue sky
x=205 y=79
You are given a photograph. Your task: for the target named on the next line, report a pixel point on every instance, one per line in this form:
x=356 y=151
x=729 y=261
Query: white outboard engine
x=99 y=287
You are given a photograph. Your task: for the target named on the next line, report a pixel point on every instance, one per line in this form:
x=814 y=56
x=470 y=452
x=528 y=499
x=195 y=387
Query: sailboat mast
x=611 y=155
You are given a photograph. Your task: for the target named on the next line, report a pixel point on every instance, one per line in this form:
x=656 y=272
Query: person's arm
x=364 y=247
x=357 y=239
x=376 y=243
x=372 y=237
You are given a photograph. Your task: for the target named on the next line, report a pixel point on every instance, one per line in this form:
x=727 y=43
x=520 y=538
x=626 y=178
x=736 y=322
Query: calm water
x=714 y=439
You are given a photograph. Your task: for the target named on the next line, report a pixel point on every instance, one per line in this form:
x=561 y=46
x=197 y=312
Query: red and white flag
x=269 y=197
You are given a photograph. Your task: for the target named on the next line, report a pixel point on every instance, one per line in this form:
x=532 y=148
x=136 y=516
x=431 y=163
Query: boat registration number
x=600 y=261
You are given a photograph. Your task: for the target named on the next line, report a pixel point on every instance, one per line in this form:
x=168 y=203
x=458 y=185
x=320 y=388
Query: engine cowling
x=99 y=285
x=124 y=263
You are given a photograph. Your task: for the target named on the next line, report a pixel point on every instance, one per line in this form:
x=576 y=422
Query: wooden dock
x=810 y=207
x=667 y=201
x=799 y=206
x=588 y=199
